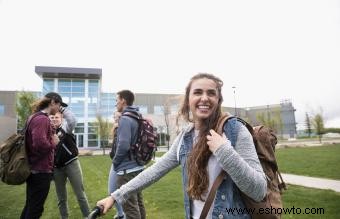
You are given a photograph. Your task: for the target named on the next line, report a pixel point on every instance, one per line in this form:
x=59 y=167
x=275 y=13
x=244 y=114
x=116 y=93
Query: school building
x=81 y=89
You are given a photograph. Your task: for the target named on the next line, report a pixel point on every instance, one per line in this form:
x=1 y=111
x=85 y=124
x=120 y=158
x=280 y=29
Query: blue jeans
x=112 y=186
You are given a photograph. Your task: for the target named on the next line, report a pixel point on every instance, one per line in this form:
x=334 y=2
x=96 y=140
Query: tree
x=318 y=125
x=103 y=131
x=333 y=130
x=166 y=113
x=24 y=106
x=271 y=119
x=308 y=125
x=278 y=120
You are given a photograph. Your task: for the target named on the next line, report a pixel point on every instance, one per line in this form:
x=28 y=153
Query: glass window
x=78 y=100
x=173 y=109
x=93 y=83
x=92 y=143
x=93 y=90
x=48 y=86
x=64 y=83
x=78 y=112
x=92 y=136
x=78 y=90
x=92 y=109
x=143 y=109
x=158 y=110
x=2 y=110
x=80 y=140
x=92 y=129
x=78 y=83
x=78 y=95
x=64 y=89
x=79 y=130
x=93 y=99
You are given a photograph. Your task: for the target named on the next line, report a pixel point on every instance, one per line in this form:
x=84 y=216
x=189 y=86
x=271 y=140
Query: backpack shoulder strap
x=212 y=195
x=219 y=129
x=132 y=115
x=221 y=121
x=225 y=118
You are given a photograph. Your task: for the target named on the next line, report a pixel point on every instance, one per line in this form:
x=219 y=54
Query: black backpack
x=144 y=148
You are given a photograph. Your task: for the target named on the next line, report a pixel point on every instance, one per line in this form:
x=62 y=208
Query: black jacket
x=67 y=150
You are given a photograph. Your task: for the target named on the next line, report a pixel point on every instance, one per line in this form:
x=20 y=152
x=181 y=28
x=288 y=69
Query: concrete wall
x=8 y=121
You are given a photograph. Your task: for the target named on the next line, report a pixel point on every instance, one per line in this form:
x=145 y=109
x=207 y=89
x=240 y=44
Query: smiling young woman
x=202 y=154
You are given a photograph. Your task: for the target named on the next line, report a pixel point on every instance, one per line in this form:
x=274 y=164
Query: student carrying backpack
x=264 y=141
x=126 y=167
x=14 y=166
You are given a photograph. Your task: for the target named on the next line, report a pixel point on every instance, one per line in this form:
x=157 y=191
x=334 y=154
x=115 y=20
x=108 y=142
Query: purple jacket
x=39 y=145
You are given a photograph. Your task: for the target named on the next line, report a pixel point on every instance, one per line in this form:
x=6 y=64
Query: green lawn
x=164 y=199
x=323 y=161
x=310 y=199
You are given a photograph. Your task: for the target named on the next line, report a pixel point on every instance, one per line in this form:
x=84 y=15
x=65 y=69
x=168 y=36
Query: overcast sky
x=270 y=50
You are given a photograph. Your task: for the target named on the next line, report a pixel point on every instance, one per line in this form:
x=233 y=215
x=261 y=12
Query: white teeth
x=203 y=107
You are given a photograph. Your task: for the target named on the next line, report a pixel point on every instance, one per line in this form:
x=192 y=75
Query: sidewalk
x=312 y=182
x=306 y=181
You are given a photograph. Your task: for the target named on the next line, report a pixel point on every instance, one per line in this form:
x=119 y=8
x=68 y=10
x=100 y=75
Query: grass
x=323 y=161
x=164 y=199
x=303 y=198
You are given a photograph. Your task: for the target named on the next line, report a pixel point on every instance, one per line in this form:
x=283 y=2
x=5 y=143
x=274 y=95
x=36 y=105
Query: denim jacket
x=227 y=195
x=236 y=159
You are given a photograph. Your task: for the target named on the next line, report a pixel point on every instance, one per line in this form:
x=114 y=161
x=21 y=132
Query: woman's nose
x=204 y=96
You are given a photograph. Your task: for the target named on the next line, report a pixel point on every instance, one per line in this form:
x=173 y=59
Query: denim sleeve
x=243 y=166
x=150 y=175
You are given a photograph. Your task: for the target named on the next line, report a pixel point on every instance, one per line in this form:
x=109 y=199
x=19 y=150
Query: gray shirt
x=69 y=121
x=241 y=163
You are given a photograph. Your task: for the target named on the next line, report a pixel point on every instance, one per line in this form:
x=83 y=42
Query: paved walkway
x=312 y=182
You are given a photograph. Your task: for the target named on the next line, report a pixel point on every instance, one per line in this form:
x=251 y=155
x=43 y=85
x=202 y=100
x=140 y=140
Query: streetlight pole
x=234 y=88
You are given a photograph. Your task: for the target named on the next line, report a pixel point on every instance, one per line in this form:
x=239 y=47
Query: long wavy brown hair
x=197 y=161
x=41 y=104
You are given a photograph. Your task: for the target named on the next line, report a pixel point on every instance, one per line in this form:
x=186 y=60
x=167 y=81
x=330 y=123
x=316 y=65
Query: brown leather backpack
x=264 y=141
